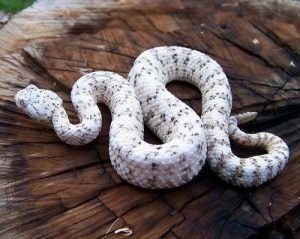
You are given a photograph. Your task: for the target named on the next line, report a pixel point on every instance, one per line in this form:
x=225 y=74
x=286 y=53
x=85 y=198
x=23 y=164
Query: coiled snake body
x=186 y=140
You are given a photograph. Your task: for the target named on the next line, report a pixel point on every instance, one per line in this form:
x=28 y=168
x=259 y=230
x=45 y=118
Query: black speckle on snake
x=187 y=139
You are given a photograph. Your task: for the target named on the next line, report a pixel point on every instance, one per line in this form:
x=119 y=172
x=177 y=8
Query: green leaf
x=14 y=6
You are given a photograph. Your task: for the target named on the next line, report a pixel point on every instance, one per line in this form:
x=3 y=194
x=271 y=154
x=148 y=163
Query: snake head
x=37 y=103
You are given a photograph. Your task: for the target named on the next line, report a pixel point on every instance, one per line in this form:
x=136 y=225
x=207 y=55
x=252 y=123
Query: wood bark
x=52 y=190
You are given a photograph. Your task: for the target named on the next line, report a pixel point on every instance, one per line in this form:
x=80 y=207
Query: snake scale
x=188 y=140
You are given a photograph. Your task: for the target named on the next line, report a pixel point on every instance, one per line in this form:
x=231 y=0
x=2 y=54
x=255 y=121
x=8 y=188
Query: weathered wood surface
x=52 y=190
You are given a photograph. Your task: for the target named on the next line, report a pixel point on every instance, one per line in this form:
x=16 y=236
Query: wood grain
x=52 y=190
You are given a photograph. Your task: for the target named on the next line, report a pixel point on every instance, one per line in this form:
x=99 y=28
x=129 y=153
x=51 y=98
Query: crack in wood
x=29 y=210
x=253 y=54
x=226 y=219
x=276 y=39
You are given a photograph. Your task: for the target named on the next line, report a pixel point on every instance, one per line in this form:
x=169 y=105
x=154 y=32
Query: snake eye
x=19 y=99
x=22 y=102
x=31 y=87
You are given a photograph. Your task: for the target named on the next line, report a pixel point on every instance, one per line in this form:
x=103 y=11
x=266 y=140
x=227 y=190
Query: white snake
x=186 y=141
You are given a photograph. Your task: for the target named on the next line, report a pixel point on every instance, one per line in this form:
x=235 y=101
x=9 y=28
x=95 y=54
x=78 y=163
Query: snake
x=188 y=140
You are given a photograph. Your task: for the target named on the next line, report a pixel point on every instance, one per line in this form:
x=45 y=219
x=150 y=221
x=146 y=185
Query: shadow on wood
x=52 y=190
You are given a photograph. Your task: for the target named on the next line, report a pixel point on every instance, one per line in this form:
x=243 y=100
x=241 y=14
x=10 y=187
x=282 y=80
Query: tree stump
x=53 y=190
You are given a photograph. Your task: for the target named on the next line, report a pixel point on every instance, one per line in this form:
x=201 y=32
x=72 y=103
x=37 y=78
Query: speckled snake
x=186 y=140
